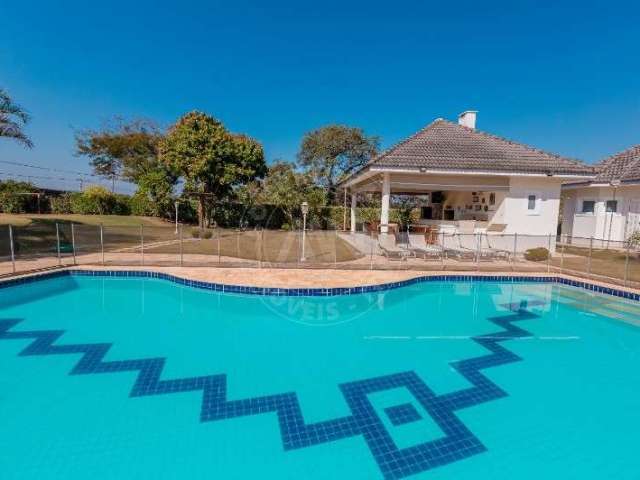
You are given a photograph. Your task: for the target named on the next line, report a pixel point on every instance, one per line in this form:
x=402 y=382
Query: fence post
x=218 y=238
x=260 y=240
x=562 y=255
x=442 y=251
x=335 y=248
x=549 y=254
x=142 y=244
x=478 y=246
x=181 y=247
x=515 y=249
x=371 y=251
x=73 y=242
x=626 y=263
x=590 y=253
x=58 y=243
x=13 y=256
x=102 y=243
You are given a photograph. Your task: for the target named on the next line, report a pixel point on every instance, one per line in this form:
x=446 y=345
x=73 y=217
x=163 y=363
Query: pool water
x=113 y=378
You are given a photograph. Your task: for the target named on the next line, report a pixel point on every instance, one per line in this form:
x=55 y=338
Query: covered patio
x=464 y=175
x=443 y=200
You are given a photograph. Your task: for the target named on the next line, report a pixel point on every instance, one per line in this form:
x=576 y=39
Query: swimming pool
x=134 y=377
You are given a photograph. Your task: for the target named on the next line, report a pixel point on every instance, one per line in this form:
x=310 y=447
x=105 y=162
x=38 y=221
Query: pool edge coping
x=559 y=278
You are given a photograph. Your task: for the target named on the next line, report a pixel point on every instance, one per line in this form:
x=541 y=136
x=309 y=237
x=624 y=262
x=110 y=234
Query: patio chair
x=488 y=248
x=387 y=243
x=418 y=245
x=453 y=248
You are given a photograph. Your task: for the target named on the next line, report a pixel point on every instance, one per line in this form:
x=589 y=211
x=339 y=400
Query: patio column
x=386 y=194
x=354 y=203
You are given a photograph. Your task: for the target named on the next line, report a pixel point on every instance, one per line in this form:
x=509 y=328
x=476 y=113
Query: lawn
x=35 y=236
x=272 y=246
x=22 y=220
x=607 y=262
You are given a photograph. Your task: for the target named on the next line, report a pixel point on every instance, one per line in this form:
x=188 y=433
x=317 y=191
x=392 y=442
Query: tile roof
x=623 y=166
x=444 y=145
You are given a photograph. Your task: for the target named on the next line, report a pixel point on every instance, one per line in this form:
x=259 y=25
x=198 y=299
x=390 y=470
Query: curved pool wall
x=327 y=291
x=135 y=349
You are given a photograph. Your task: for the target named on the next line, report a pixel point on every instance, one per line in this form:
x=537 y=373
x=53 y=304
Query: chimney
x=468 y=119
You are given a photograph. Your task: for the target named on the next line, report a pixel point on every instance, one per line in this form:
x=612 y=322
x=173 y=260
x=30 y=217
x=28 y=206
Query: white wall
x=542 y=221
x=600 y=224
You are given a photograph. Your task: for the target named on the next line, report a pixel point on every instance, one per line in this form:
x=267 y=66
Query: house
x=469 y=176
x=608 y=206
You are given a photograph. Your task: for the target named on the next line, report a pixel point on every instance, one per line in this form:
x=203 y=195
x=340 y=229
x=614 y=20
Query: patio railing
x=44 y=246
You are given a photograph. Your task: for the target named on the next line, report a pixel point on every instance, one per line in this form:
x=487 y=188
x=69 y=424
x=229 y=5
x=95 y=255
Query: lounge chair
x=453 y=248
x=387 y=243
x=419 y=246
x=490 y=249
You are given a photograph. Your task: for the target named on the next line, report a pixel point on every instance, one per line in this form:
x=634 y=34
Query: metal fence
x=51 y=245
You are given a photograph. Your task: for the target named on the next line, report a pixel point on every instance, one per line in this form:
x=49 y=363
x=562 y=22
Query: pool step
x=600 y=305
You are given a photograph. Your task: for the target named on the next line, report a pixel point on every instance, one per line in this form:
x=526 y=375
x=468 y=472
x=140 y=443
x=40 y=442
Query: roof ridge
x=634 y=163
x=493 y=136
x=605 y=163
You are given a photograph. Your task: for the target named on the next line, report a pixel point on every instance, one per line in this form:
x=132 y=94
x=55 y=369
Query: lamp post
x=176 y=205
x=305 y=209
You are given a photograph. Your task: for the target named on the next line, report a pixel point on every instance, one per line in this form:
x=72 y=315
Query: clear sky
x=562 y=76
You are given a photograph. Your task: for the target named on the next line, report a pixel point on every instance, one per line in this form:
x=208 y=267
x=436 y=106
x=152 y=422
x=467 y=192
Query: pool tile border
x=324 y=292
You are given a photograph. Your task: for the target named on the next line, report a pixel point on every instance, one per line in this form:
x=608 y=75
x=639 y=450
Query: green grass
x=35 y=235
x=107 y=220
x=607 y=262
x=271 y=246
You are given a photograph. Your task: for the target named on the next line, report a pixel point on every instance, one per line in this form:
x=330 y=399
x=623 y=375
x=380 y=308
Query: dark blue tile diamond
x=401 y=414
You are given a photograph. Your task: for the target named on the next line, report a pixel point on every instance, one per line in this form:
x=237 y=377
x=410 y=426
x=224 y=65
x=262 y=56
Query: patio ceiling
x=402 y=183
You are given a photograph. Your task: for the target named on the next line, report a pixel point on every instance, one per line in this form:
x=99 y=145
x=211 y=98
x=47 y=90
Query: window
x=533 y=204
x=612 y=206
x=588 y=206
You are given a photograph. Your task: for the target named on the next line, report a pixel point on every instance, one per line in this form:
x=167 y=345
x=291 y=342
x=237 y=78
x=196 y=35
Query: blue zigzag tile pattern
x=456 y=443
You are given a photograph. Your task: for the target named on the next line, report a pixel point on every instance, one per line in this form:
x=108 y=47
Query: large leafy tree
x=332 y=152
x=121 y=149
x=129 y=150
x=211 y=160
x=286 y=188
x=12 y=120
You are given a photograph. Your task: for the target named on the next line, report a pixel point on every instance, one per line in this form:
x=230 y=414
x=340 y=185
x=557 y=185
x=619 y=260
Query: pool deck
x=315 y=278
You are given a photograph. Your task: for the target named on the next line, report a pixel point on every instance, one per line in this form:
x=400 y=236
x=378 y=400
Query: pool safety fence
x=52 y=245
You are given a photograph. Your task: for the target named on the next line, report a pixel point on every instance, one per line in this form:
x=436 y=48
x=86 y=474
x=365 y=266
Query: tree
x=330 y=153
x=121 y=149
x=12 y=120
x=286 y=189
x=155 y=190
x=211 y=160
x=130 y=151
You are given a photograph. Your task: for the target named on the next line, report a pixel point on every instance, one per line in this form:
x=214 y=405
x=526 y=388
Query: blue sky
x=563 y=77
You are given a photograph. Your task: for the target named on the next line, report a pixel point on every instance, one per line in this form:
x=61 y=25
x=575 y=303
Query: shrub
x=15 y=198
x=122 y=205
x=195 y=232
x=536 y=254
x=634 y=239
x=141 y=205
x=64 y=203
x=206 y=234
